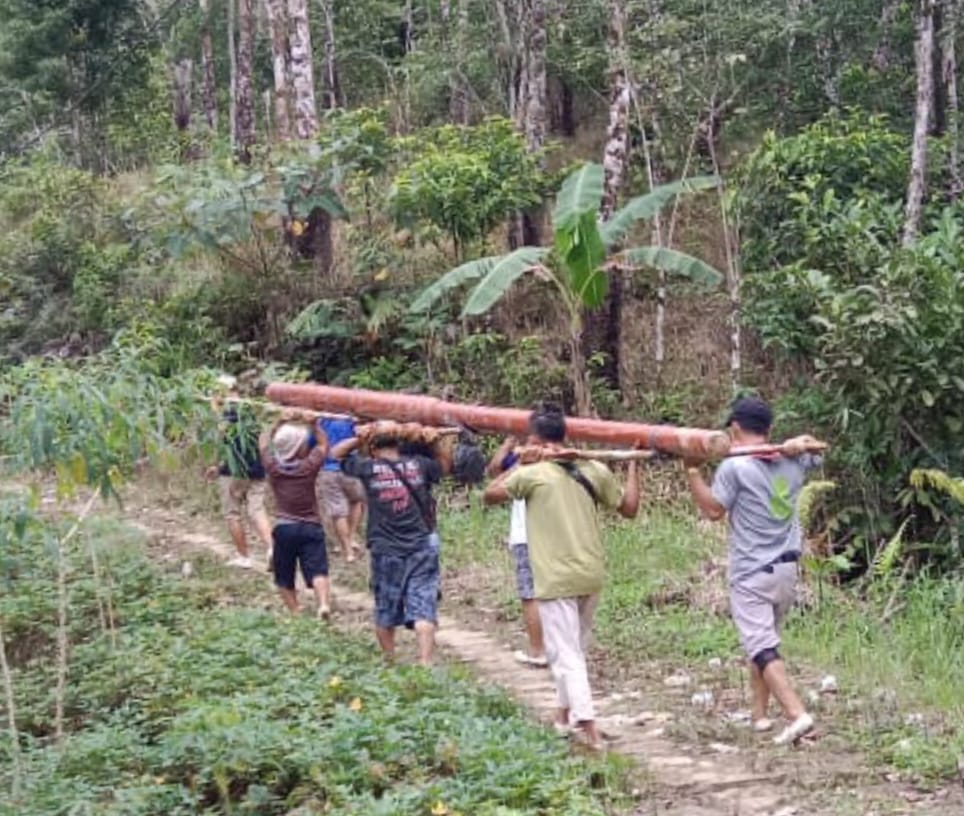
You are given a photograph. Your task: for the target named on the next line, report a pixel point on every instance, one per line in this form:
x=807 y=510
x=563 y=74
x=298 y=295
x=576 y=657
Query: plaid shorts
x=406 y=587
x=524 y=582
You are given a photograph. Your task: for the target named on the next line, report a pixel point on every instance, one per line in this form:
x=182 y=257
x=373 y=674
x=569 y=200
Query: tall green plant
x=576 y=266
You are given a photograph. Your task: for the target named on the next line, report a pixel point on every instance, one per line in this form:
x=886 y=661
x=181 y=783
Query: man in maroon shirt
x=292 y=453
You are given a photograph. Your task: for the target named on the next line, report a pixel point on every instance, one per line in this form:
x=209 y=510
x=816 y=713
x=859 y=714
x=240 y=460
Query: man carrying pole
x=759 y=494
x=401 y=527
x=565 y=546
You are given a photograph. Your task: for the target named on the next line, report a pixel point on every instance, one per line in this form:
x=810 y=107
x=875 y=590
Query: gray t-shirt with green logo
x=760 y=496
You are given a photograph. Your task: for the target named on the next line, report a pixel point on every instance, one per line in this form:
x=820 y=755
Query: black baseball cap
x=751 y=414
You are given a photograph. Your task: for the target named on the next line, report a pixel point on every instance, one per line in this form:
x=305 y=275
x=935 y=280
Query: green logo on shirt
x=781 y=504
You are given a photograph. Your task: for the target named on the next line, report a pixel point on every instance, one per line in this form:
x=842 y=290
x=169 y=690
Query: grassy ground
x=190 y=692
x=664 y=612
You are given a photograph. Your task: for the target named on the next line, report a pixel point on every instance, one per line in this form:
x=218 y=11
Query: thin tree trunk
x=183 y=80
x=949 y=79
x=302 y=74
x=925 y=85
x=210 y=88
x=245 y=90
x=731 y=238
x=883 y=53
x=603 y=325
x=331 y=96
x=233 y=74
x=535 y=111
x=280 y=58
x=408 y=24
x=17 y=781
x=459 y=94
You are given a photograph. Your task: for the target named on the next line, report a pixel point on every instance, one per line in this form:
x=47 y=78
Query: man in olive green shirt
x=565 y=547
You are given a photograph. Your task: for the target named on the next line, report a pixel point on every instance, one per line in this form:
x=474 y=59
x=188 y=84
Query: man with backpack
x=563 y=500
x=401 y=532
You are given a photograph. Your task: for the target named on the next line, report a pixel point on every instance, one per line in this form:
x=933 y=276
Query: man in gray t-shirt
x=759 y=496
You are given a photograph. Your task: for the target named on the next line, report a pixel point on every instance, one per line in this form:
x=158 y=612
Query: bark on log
x=432 y=411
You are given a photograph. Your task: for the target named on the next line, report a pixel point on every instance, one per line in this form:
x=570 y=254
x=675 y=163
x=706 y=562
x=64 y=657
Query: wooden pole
x=693 y=442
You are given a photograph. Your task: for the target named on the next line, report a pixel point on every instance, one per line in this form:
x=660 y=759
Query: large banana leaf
x=581 y=192
x=500 y=277
x=646 y=206
x=467 y=272
x=582 y=252
x=673 y=262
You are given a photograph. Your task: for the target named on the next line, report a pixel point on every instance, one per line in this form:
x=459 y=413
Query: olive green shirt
x=565 y=540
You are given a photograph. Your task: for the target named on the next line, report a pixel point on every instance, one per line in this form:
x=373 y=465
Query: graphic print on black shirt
x=395 y=521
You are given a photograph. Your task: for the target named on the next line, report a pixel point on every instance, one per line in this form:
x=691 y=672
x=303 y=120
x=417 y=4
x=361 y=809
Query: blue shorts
x=297 y=544
x=406 y=587
x=524 y=582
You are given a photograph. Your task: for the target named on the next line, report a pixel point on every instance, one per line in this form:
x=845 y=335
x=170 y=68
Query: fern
x=952 y=486
x=809 y=495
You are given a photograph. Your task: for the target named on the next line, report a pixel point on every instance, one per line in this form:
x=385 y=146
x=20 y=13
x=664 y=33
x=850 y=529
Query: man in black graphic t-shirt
x=401 y=528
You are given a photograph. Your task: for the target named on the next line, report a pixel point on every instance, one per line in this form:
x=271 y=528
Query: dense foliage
x=180 y=703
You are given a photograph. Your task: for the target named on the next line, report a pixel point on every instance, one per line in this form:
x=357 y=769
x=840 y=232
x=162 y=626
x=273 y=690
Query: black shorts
x=298 y=543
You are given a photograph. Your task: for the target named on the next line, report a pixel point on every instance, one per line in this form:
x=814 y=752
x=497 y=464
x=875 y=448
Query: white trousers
x=567 y=630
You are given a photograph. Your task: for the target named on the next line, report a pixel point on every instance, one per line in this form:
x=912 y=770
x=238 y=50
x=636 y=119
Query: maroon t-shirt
x=293 y=485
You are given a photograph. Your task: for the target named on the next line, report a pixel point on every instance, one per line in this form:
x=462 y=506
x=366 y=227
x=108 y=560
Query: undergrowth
x=181 y=702
x=897 y=649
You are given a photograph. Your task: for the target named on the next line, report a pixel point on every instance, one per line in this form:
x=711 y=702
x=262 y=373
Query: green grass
x=207 y=706
x=656 y=614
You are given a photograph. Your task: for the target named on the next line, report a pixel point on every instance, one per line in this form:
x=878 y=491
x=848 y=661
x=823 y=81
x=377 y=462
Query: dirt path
x=672 y=780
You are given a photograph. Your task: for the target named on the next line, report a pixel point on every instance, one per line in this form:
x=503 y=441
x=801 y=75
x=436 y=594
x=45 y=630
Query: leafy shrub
x=879 y=326
x=465 y=180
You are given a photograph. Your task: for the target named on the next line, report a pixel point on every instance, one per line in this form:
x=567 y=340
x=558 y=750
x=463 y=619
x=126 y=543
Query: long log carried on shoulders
x=691 y=442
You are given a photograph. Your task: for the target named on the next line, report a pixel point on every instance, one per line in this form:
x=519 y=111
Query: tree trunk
x=925 y=85
x=949 y=78
x=233 y=74
x=245 y=91
x=883 y=53
x=603 y=325
x=280 y=59
x=207 y=67
x=183 y=78
x=316 y=242
x=408 y=29
x=459 y=93
x=331 y=96
x=938 y=118
x=303 y=80
x=535 y=110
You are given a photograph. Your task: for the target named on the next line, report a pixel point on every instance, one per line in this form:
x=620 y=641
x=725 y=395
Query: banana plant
x=578 y=263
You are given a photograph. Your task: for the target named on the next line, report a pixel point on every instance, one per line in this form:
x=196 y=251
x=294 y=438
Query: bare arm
x=443 y=455
x=345 y=447
x=494 y=467
x=629 y=506
x=495 y=492
x=703 y=495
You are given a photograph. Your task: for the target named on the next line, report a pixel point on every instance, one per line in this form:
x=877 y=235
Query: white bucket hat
x=288 y=439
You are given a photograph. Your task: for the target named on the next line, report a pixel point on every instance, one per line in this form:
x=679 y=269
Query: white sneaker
x=798 y=728
x=762 y=725
x=528 y=660
x=324 y=613
x=242 y=561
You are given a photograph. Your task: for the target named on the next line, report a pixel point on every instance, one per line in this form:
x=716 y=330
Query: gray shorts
x=338 y=492
x=523 y=572
x=759 y=603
